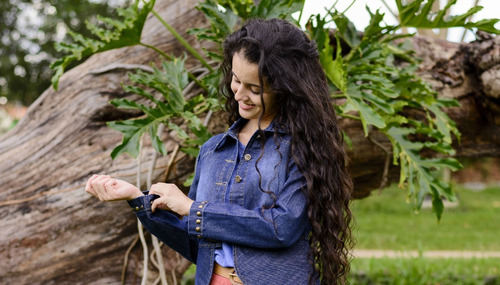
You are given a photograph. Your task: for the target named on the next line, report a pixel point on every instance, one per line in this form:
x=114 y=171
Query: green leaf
x=132 y=132
x=191 y=151
x=156 y=140
x=347 y=140
x=374 y=30
x=283 y=9
x=417 y=171
x=126 y=33
x=419 y=14
x=174 y=79
x=128 y=104
x=189 y=180
x=368 y=115
x=443 y=123
x=335 y=70
x=318 y=32
x=180 y=132
x=346 y=29
x=222 y=22
x=437 y=204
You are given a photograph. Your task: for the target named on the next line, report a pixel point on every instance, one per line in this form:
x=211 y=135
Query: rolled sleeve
x=166 y=226
x=142 y=203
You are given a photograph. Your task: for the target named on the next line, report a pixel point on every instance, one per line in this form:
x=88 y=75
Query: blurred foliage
x=6 y=122
x=29 y=30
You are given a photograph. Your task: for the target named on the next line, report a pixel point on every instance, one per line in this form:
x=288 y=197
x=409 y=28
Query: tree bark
x=55 y=233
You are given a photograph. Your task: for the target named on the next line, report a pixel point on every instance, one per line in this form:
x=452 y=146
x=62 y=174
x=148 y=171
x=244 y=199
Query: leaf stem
x=350 y=116
x=345 y=10
x=157 y=50
x=189 y=47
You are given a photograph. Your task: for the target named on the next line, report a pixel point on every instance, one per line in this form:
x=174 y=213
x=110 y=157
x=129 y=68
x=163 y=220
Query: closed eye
x=255 y=89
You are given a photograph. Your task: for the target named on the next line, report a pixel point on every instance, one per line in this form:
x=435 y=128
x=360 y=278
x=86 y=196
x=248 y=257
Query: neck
x=254 y=124
x=250 y=128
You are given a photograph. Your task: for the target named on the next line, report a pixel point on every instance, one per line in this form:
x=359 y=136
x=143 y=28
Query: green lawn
x=386 y=221
x=416 y=271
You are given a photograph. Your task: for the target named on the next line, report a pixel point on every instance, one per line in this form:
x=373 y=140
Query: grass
x=417 y=271
x=386 y=221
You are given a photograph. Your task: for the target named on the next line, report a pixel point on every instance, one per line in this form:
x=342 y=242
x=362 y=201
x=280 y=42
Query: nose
x=239 y=92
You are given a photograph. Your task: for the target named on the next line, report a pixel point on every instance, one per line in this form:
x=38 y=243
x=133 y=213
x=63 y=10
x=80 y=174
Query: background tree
x=28 y=31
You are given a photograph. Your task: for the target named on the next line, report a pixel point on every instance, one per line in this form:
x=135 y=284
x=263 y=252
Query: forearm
x=166 y=226
x=264 y=228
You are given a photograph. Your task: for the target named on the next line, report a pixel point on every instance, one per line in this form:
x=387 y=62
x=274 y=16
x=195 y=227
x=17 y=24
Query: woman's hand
x=109 y=189
x=171 y=198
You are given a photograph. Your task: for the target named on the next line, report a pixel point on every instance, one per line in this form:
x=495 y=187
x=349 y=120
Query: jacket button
x=198 y=229
x=136 y=208
x=200 y=206
x=198 y=236
x=198 y=221
x=238 y=179
x=247 y=157
x=198 y=213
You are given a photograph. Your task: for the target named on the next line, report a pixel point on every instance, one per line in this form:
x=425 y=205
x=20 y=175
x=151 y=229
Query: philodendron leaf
x=419 y=14
x=335 y=70
x=416 y=170
x=132 y=131
x=283 y=9
x=346 y=29
x=222 y=21
x=169 y=81
x=124 y=33
x=368 y=114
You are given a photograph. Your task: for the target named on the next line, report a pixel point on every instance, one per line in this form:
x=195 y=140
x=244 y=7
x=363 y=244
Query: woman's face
x=246 y=88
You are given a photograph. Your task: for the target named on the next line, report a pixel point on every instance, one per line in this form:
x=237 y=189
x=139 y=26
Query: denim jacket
x=269 y=234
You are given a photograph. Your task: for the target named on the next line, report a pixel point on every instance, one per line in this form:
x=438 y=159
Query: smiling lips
x=246 y=106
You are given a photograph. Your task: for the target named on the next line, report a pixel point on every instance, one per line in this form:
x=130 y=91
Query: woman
x=269 y=203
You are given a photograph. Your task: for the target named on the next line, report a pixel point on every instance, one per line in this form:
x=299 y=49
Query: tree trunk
x=55 y=233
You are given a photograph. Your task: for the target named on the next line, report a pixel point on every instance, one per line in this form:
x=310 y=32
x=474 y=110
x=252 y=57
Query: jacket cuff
x=142 y=203
x=195 y=219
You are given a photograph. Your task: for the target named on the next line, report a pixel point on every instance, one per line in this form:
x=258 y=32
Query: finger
x=88 y=186
x=153 y=206
x=158 y=189
x=110 y=184
x=96 y=180
x=93 y=178
x=102 y=185
x=98 y=186
x=109 y=188
x=159 y=204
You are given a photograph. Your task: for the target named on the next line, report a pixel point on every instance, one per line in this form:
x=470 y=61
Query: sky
x=359 y=16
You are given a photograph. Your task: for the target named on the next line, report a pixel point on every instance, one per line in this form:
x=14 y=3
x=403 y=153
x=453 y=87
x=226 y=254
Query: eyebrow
x=250 y=84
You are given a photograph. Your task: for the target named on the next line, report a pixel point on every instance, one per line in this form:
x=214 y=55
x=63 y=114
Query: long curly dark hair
x=289 y=62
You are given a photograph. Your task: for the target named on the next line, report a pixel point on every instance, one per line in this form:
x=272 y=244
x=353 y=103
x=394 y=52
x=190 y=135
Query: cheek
x=234 y=87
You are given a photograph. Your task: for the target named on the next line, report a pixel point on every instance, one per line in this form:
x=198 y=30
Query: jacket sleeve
x=166 y=226
x=280 y=226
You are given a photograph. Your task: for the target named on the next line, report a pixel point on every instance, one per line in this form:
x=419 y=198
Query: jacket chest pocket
x=214 y=177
